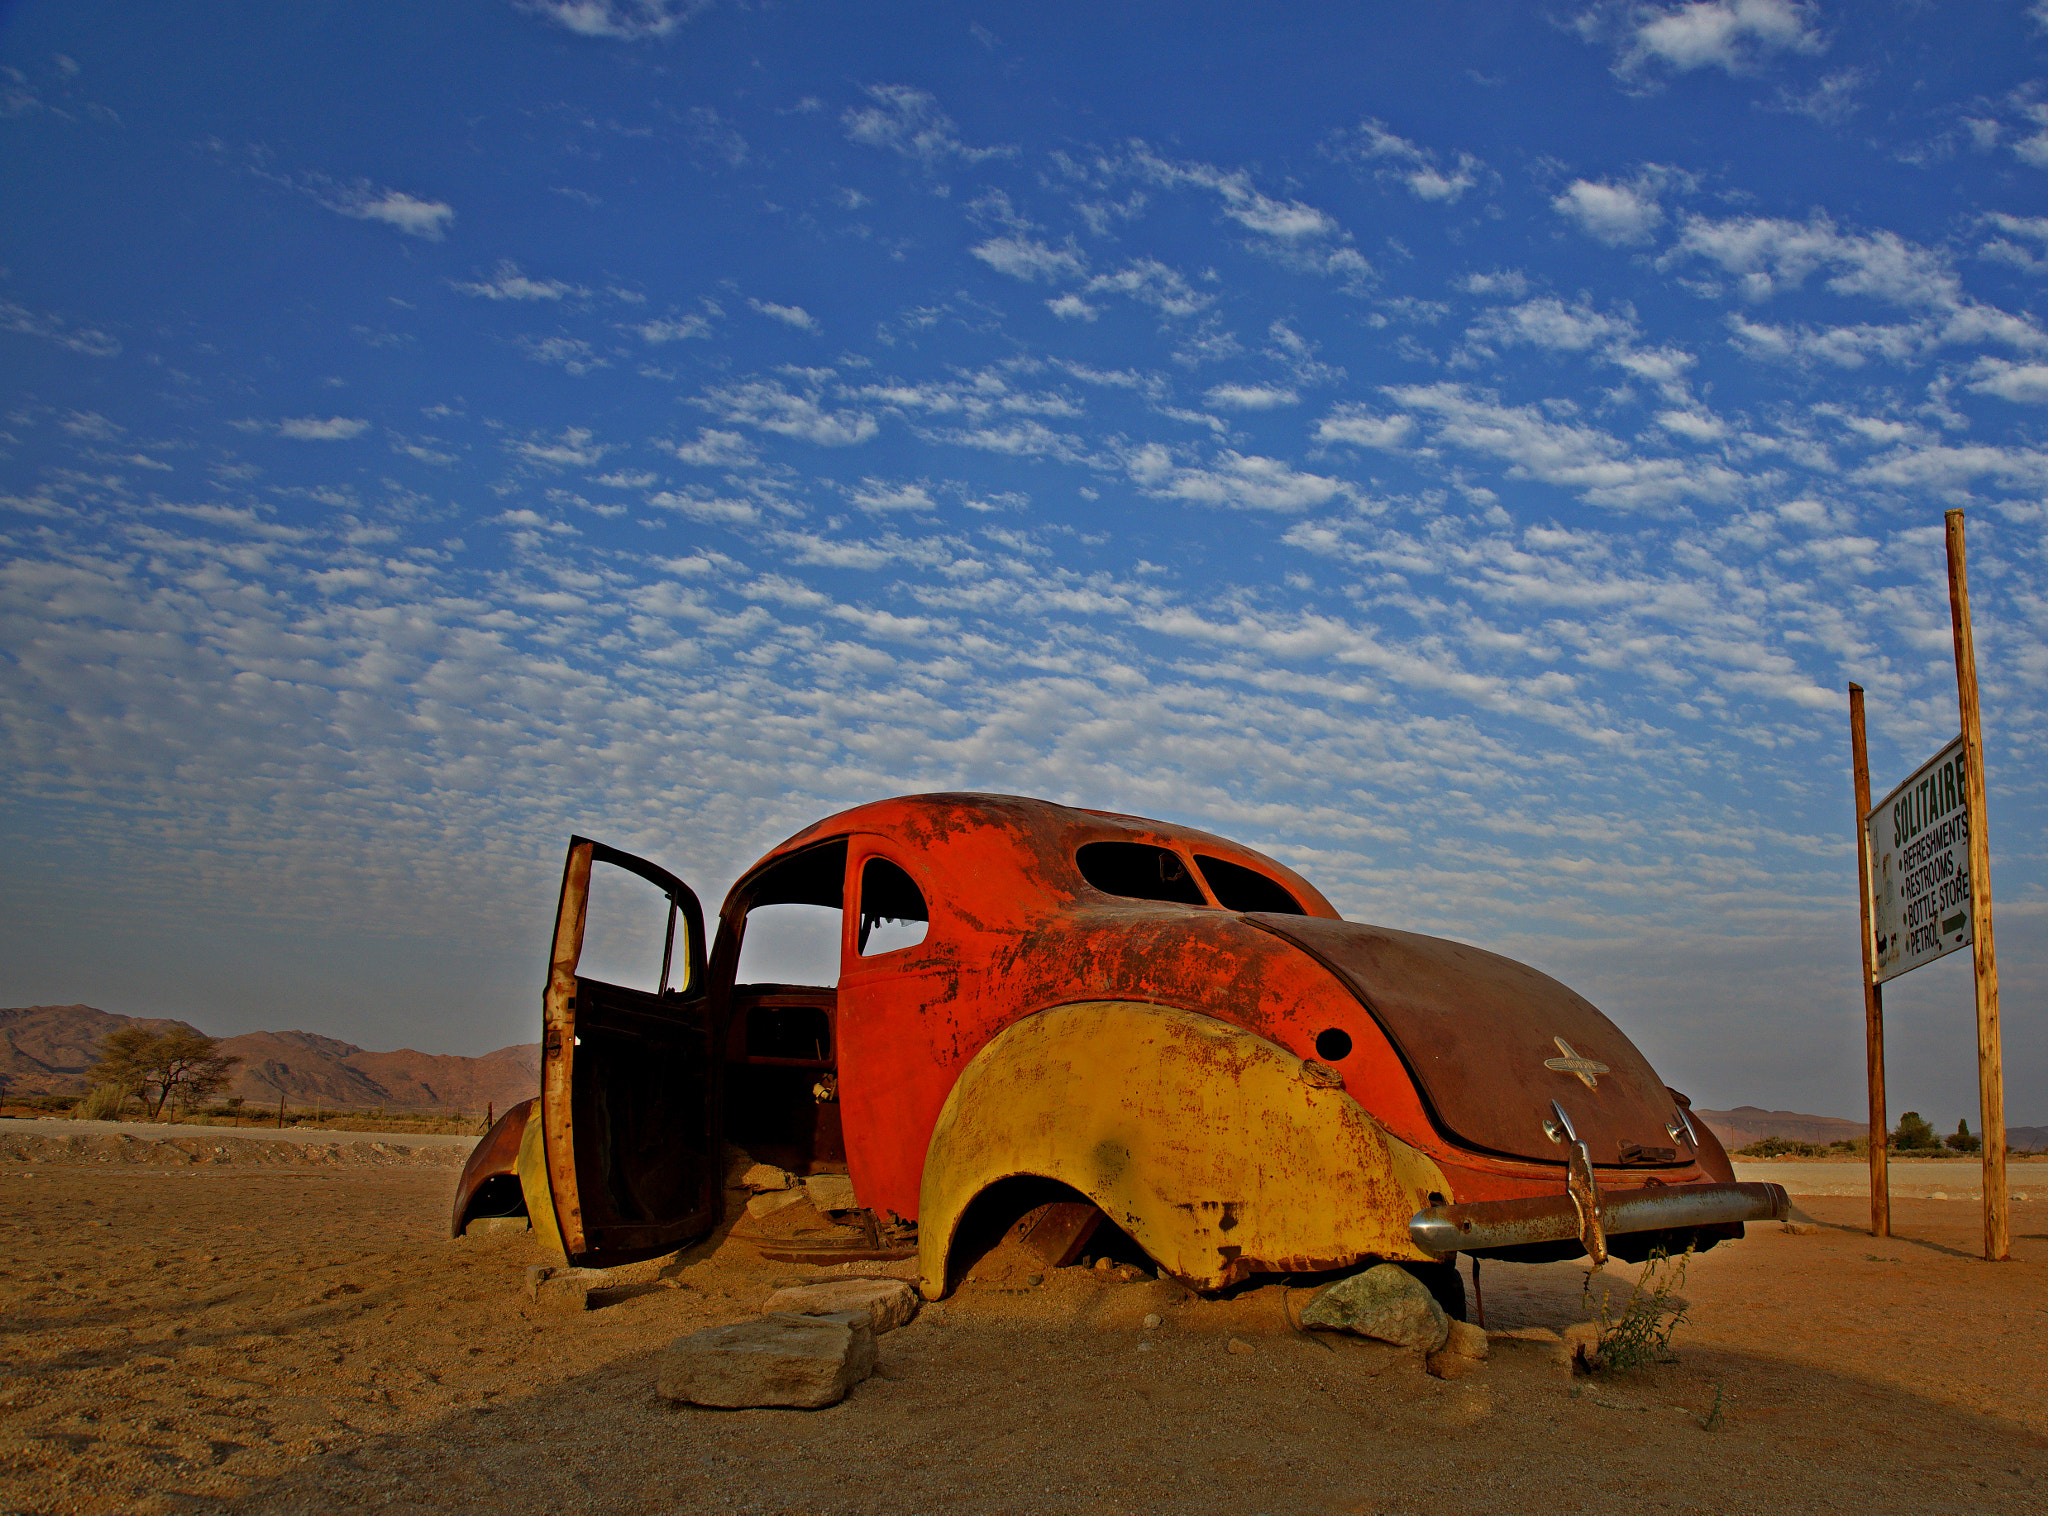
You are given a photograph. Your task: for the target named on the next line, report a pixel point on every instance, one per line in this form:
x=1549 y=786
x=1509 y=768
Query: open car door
x=627 y=1104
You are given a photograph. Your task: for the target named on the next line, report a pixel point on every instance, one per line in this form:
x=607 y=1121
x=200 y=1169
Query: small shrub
x=103 y=1103
x=1639 y=1335
x=1779 y=1147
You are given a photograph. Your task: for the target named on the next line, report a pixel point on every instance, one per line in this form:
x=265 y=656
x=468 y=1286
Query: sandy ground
x=1946 y=1179
x=291 y=1337
x=248 y=1131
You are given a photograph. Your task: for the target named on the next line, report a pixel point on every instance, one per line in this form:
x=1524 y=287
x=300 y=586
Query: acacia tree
x=1914 y=1132
x=159 y=1066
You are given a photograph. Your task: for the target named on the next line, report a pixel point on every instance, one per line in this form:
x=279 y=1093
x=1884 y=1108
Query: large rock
x=831 y=1192
x=803 y=1362
x=1466 y=1340
x=1385 y=1302
x=887 y=1303
x=766 y=1176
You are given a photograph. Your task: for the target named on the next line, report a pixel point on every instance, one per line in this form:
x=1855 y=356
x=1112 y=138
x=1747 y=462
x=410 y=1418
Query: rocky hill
x=1748 y=1123
x=47 y=1050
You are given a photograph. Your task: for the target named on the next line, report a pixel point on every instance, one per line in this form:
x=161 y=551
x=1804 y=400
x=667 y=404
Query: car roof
x=986 y=836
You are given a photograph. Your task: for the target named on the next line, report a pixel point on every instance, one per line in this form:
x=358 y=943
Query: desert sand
x=236 y=1335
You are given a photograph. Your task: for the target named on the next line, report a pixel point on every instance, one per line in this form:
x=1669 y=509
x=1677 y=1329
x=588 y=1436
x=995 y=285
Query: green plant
x=1963 y=1142
x=103 y=1103
x=1775 y=1146
x=179 y=1064
x=1639 y=1335
x=1914 y=1133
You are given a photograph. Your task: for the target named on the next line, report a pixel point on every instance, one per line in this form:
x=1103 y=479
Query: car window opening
x=1139 y=871
x=893 y=915
x=781 y=1073
x=790 y=934
x=631 y=935
x=1238 y=888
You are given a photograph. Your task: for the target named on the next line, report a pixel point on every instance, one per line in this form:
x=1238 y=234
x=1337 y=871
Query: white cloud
x=1025 y=258
x=80 y=339
x=1242 y=201
x=1698 y=426
x=909 y=122
x=572 y=354
x=788 y=315
x=1251 y=397
x=2021 y=383
x=1733 y=35
x=1512 y=283
x=573 y=449
x=768 y=406
x=881 y=497
x=428 y=219
x=1769 y=254
x=1830 y=102
x=1423 y=171
x=672 y=329
x=1071 y=308
x=1617 y=214
x=1361 y=428
x=322 y=429
x=1599 y=466
x=1147 y=281
x=1233 y=481
x=713 y=449
x=1548 y=322
x=509 y=284
x=624 y=20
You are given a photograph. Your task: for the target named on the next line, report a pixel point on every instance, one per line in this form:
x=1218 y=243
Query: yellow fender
x=1221 y=1153
x=532 y=1168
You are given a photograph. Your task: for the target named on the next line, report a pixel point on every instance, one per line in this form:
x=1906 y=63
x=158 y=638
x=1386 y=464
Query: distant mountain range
x=1747 y=1123
x=47 y=1050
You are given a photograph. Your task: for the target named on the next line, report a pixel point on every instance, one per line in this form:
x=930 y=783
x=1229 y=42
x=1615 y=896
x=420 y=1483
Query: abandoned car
x=1024 y=1008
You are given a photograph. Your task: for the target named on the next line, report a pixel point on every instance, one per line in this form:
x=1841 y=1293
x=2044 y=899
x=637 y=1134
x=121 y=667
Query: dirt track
x=283 y=1339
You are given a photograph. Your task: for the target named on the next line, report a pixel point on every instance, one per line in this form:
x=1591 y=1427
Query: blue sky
x=1465 y=450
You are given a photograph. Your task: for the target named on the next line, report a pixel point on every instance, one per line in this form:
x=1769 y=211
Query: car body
x=1174 y=1028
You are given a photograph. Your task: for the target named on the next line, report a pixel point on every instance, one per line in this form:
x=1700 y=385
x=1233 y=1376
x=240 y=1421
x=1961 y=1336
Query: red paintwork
x=1015 y=929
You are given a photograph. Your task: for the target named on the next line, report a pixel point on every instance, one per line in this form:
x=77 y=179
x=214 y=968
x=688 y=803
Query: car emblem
x=1587 y=1070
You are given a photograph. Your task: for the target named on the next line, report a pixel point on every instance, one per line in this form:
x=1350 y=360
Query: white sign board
x=1920 y=867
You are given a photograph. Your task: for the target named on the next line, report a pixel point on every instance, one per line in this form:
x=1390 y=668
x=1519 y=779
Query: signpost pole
x=1990 y=1057
x=1873 y=992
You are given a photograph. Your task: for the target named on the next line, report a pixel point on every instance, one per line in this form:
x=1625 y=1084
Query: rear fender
x=495 y=1156
x=1221 y=1153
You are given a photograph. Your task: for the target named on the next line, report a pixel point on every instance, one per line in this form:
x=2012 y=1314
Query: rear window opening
x=1238 y=888
x=892 y=910
x=1139 y=871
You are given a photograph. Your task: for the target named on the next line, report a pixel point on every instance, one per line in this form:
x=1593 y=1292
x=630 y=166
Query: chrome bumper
x=1445 y=1229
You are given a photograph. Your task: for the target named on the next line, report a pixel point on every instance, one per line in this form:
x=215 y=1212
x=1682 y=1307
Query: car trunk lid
x=1492 y=1042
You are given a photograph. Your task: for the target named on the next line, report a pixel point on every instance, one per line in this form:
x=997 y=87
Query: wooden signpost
x=1923 y=861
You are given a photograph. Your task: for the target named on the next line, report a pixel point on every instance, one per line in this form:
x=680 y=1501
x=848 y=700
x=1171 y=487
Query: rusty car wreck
x=1040 y=1006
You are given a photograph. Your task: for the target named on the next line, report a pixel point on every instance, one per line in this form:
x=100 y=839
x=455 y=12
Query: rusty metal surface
x=1491 y=1042
x=495 y=1155
x=1015 y=932
x=1218 y=1152
x=627 y=1105
x=1584 y=1192
x=1446 y=1229
x=1055 y=1233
